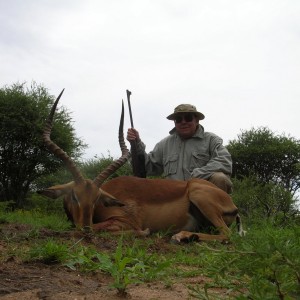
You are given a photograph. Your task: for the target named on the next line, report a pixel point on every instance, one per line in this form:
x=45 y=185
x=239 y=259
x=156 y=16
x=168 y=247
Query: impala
x=141 y=205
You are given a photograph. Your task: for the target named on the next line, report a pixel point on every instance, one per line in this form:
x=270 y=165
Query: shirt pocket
x=198 y=160
x=171 y=164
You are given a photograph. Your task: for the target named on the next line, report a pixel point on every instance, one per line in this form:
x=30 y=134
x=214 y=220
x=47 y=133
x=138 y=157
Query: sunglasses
x=186 y=117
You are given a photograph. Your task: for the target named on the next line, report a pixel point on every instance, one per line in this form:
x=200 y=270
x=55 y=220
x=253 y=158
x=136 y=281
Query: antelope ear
x=50 y=193
x=57 y=190
x=108 y=200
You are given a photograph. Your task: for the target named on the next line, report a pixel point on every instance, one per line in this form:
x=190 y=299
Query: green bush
x=92 y=167
x=45 y=205
x=257 y=201
x=263 y=265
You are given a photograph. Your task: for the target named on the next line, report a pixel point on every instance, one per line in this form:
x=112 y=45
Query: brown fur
x=142 y=205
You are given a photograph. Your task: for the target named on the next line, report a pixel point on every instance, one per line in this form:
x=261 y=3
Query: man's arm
x=220 y=161
x=152 y=161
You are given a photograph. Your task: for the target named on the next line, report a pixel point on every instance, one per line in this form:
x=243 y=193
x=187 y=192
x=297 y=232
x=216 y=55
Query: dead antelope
x=141 y=205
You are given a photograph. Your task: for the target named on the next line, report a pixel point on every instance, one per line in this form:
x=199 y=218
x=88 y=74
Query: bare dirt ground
x=36 y=280
x=19 y=281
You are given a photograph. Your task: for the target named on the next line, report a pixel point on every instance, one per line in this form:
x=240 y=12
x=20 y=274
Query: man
x=188 y=151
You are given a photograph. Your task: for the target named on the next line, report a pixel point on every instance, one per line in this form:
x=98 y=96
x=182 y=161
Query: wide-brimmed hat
x=186 y=108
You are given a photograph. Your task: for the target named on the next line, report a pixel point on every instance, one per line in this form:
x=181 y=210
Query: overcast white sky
x=237 y=61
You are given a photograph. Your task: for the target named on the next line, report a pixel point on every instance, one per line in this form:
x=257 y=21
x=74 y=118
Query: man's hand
x=133 y=135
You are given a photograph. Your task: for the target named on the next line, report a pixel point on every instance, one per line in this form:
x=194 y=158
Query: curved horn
x=115 y=165
x=57 y=151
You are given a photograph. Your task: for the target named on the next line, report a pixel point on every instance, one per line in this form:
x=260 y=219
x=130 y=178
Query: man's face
x=186 y=124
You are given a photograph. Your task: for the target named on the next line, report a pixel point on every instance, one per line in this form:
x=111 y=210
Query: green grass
x=36 y=219
x=265 y=264
x=49 y=252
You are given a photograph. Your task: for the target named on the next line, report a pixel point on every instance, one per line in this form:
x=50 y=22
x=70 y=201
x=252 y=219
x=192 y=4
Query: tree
x=271 y=158
x=23 y=157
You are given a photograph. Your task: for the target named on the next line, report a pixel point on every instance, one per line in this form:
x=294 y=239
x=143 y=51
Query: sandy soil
x=35 y=280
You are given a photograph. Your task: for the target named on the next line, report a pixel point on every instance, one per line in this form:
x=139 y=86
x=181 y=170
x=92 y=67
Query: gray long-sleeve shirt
x=176 y=158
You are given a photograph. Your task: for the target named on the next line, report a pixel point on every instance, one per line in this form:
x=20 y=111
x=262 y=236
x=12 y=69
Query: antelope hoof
x=145 y=232
x=242 y=233
x=181 y=236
